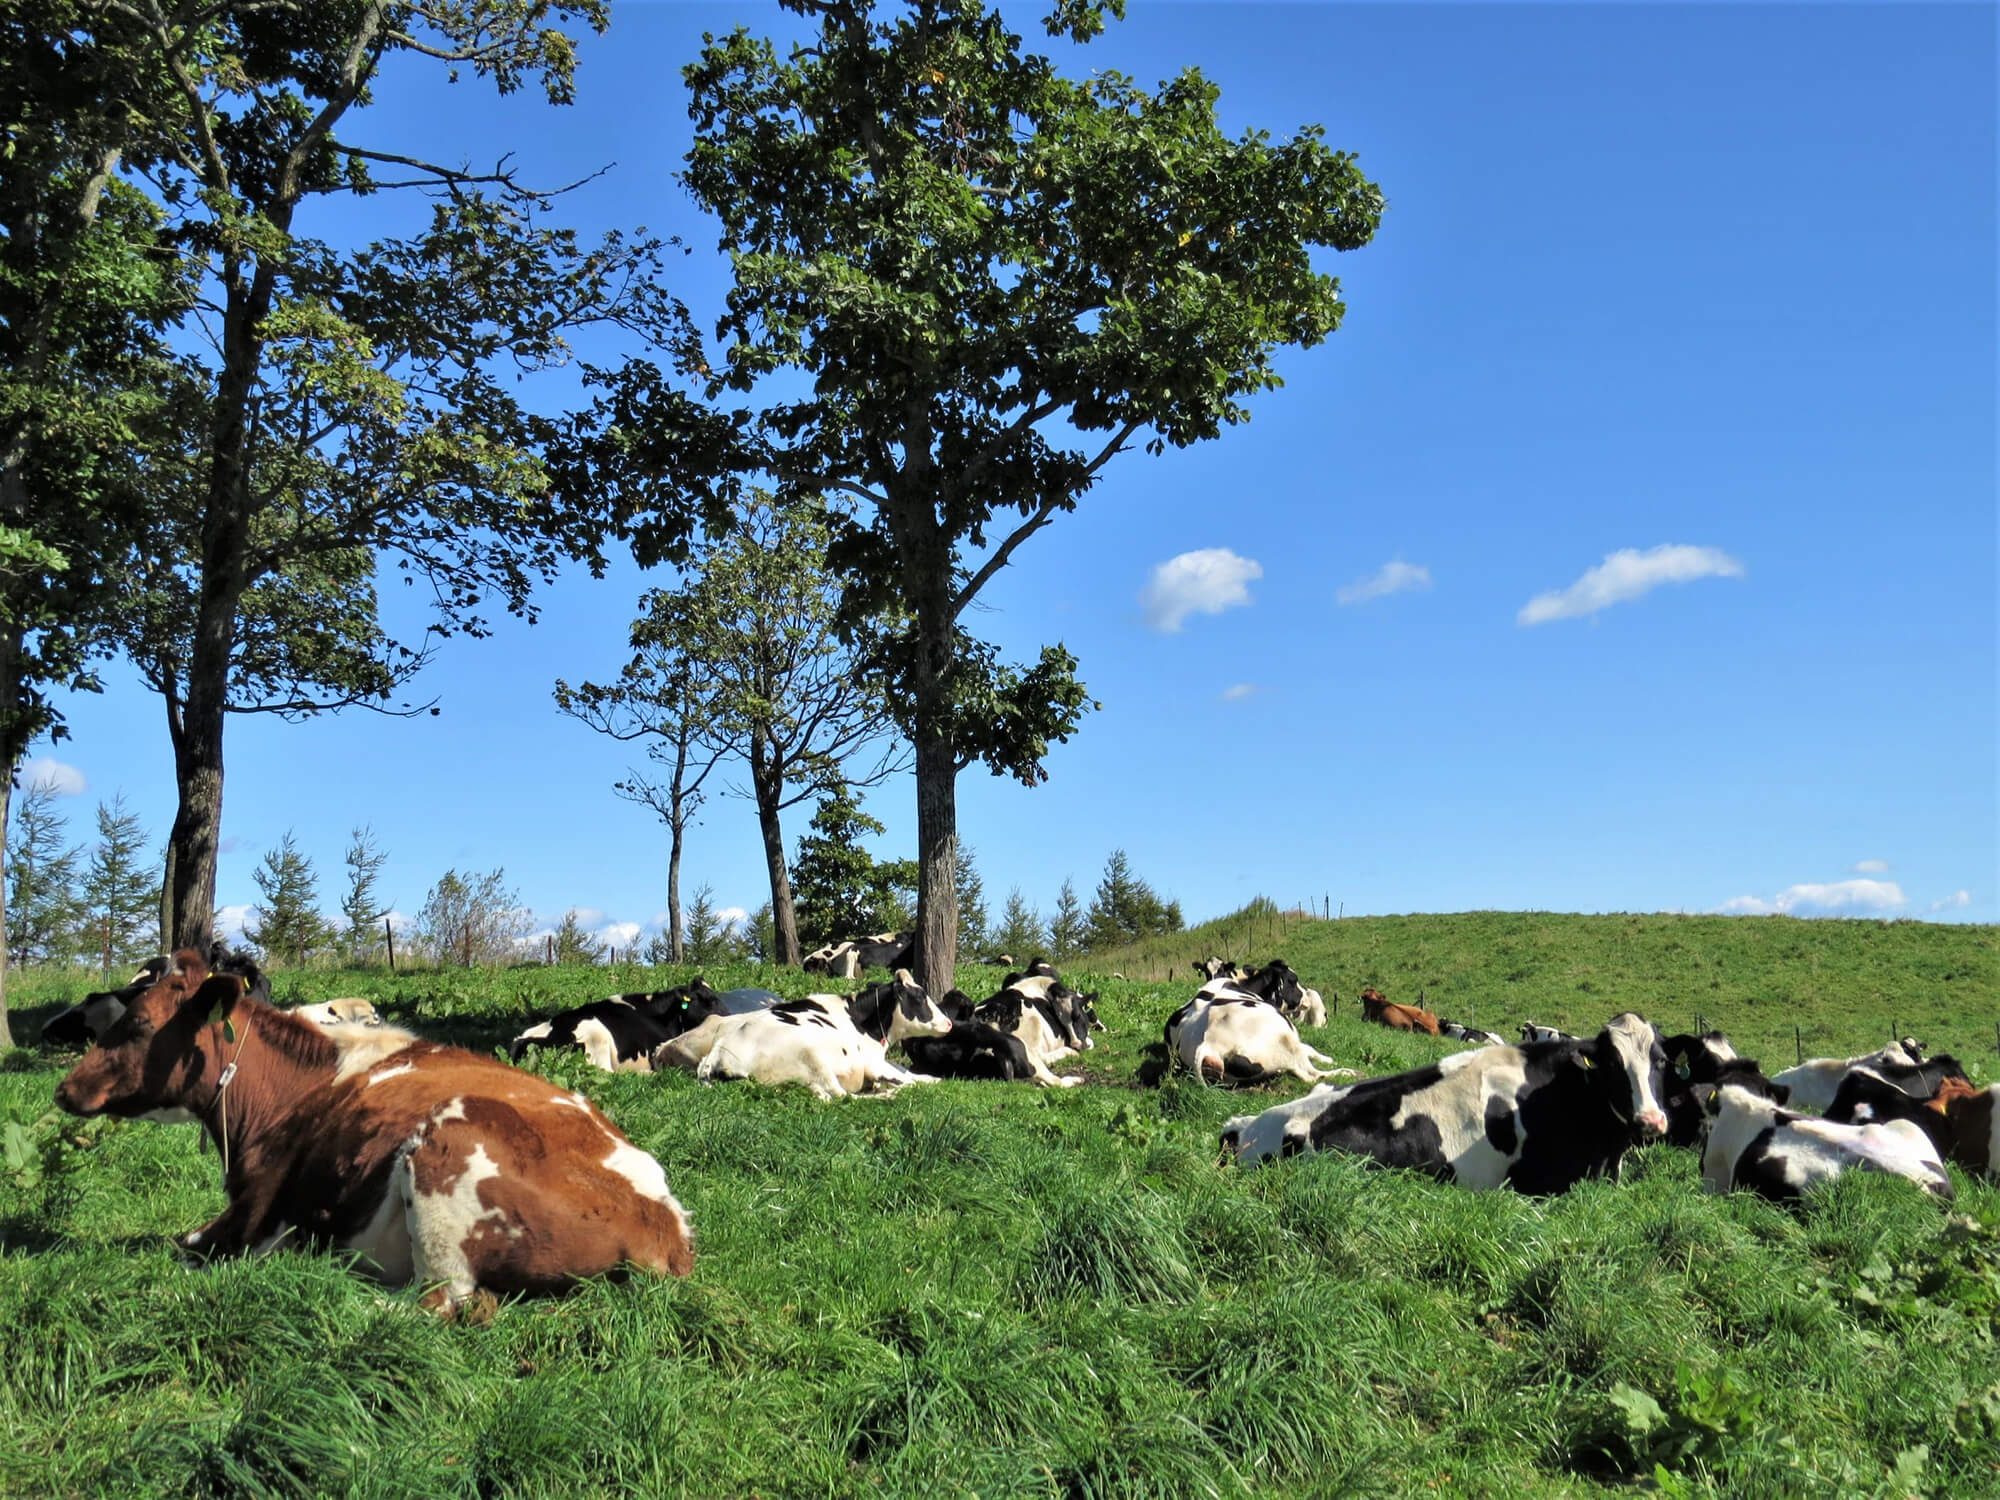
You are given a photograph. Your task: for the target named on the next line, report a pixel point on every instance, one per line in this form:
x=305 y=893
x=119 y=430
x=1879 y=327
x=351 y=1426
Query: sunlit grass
x=994 y=1290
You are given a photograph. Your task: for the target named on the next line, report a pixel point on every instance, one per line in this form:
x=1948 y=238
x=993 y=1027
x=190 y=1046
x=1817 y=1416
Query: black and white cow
x=1538 y=1117
x=87 y=1020
x=1888 y=1091
x=1277 y=983
x=1226 y=1035
x=1757 y=1144
x=835 y=961
x=1050 y=1020
x=620 y=1034
x=1815 y=1081
x=1220 y=968
x=1460 y=1033
x=835 y=1045
x=1696 y=1067
x=1530 y=1032
x=972 y=1048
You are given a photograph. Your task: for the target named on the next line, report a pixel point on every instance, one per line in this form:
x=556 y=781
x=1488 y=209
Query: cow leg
x=247 y=1224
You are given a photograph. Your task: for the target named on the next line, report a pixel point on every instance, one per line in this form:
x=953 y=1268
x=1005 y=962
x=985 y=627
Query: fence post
x=389 y=938
x=1798 y=1047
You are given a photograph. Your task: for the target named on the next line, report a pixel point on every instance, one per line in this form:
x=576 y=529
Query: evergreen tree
x=971 y=904
x=44 y=911
x=1069 y=933
x=839 y=889
x=1020 y=932
x=572 y=944
x=1126 y=908
x=362 y=909
x=121 y=899
x=287 y=924
x=760 y=934
x=709 y=938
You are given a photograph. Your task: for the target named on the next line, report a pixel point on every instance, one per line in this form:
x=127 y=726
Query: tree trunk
x=784 y=921
x=937 y=865
x=676 y=834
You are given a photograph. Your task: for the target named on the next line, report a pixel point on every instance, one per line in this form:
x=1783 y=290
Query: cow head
x=897 y=1009
x=1630 y=1071
x=1372 y=1002
x=95 y=1014
x=159 y=1059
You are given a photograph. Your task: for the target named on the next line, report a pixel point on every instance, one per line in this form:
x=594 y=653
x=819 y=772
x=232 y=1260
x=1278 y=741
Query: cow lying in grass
x=1384 y=1012
x=1696 y=1067
x=1537 y=1118
x=1459 y=1033
x=1936 y=1097
x=976 y=1049
x=1757 y=1144
x=621 y=1033
x=1226 y=1036
x=432 y=1165
x=1815 y=1081
x=1296 y=1001
x=84 y=1022
x=833 y=1044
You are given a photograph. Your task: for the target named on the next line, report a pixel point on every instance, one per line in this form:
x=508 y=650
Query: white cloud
x=1205 y=582
x=586 y=916
x=1839 y=895
x=46 y=770
x=1871 y=867
x=732 y=916
x=1627 y=575
x=1953 y=902
x=1236 y=692
x=1394 y=578
x=400 y=921
x=619 y=934
x=229 y=922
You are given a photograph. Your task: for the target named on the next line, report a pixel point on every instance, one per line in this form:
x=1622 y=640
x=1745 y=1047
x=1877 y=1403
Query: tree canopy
x=993 y=280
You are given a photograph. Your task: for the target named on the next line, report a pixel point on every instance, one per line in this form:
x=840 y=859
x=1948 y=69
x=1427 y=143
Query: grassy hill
x=994 y=1290
x=1846 y=986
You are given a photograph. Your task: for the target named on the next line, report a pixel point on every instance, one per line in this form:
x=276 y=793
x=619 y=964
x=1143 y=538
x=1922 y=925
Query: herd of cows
x=477 y=1179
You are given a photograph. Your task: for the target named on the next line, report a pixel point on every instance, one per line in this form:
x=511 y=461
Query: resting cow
x=1756 y=1144
x=432 y=1165
x=1875 y=1095
x=835 y=1045
x=620 y=1034
x=1696 y=1067
x=87 y=1020
x=1538 y=1118
x=1401 y=1017
x=1530 y=1032
x=1460 y=1033
x=1046 y=1017
x=972 y=1048
x=1226 y=1036
x=1815 y=1081
x=1974 y=1125
x=1276 y=983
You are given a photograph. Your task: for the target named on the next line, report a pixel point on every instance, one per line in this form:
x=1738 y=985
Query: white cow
x=1224 y=1034
x=1754 y=1143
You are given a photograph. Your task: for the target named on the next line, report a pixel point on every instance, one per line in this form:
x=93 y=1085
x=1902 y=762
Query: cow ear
x=1781 y=1093
x=1681 y=1067
x=1583 y=1060
x=216 y=993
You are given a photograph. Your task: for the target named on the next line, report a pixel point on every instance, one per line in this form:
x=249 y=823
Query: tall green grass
x=995 y=1290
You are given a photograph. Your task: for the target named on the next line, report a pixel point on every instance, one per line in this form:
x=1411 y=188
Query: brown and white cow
x=433 y=1165
x=1385 y=1012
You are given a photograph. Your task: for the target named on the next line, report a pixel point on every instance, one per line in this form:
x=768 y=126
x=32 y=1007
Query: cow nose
x=1653 y=1122
x=65 y=1101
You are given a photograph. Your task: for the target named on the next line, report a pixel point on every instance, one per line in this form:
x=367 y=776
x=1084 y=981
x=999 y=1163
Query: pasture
x=995 y=1290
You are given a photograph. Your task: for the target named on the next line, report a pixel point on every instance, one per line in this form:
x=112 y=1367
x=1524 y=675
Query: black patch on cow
x=1500 y=1126
x=636 y=1023
x=971 y=1050
x=1358 y=1122
x=1884 y=1100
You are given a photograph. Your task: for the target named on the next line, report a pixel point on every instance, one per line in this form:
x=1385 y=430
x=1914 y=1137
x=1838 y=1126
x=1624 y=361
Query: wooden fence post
x=389 y=937
x=1798 y=1047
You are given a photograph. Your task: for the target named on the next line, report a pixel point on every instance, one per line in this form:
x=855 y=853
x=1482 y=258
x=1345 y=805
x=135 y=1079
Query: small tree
x=841 y=890
x=361 y=908
x=1020 y=932
x=572 y=944
x=760 y=934
x=44 y=911
x=1069 y=933
x=1126 y=908
x=471 y=919
x=709 y=937
x=971 y=904
x=121 y=898
x=288 y=925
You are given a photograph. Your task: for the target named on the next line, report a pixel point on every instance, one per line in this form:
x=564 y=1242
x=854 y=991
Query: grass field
x=994 y=1290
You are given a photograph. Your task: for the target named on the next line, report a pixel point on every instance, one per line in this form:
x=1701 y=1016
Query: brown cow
x=1402 y=1017
x=434 y=1165
x=1973 y=1125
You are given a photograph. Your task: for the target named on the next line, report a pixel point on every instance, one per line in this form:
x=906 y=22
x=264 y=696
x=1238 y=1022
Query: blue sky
x=1632 y=547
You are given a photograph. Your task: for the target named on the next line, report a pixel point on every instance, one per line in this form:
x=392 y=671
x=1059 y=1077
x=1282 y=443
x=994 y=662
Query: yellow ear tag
x=228 y=1030
x=1585 y=1059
